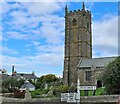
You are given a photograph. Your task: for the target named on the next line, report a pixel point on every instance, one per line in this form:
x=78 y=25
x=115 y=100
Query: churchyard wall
x=106 y=99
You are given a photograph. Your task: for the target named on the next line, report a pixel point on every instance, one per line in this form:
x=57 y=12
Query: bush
x=63 y=89
x=111 y=77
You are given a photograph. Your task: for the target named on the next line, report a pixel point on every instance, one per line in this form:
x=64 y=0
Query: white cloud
x=39 y=63
x=58 y=49
x=36 y=43
x=41 y=8
x=17 y=35
x=5 y=50
x=30 y=22
x=105 y=36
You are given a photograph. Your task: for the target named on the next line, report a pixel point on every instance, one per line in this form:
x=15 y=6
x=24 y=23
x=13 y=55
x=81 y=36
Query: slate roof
x=27 y=84
x=96 y=62
x=4 y=77
x=27 y=76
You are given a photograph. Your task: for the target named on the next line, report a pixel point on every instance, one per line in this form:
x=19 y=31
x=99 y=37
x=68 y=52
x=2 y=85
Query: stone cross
x=27 y=94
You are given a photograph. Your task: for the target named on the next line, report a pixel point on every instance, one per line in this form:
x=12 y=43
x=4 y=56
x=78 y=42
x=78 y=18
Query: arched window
x=74 y=22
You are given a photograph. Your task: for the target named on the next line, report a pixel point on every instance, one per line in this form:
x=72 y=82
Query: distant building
x=18 y=76
x=27 y=84
x=24 y=76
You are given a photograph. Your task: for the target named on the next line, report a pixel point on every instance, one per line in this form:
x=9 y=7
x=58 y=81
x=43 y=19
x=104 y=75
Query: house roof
x=27 y=84
x=4 y=77
x=96 y=62
x=27 y=76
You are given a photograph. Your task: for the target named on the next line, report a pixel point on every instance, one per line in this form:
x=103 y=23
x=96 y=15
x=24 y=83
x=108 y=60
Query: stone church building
x=78 y=61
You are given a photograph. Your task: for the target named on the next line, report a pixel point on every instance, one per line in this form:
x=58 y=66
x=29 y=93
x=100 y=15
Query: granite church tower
x=78 y=42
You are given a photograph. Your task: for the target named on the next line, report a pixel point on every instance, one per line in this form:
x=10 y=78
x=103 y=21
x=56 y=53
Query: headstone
x=50 y=93
x=27 y=94
x=46 y=86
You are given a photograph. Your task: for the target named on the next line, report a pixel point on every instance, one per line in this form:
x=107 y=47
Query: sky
x=33 y=34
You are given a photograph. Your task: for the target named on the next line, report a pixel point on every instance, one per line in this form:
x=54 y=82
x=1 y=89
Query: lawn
x=40 y=92
x=99 y=91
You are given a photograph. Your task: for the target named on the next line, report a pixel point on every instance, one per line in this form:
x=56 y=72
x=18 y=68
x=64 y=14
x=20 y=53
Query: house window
x=88 y=75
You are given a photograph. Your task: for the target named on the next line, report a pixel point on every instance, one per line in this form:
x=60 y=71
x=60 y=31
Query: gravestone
x=50 y=93
x=27 y=94
x=46 y=86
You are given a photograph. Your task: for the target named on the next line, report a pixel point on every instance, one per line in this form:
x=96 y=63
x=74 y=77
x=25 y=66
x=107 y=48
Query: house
x=25 y=76
x=27 y=84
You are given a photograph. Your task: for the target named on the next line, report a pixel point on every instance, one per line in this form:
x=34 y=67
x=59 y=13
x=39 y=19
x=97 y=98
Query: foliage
x=11 y=84
x=111 y=77
x=63 y=88
x=50 y=79
x=72 y=89
x=21 y=82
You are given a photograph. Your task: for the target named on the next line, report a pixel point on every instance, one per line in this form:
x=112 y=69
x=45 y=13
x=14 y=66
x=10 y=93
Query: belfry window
x=74 y=22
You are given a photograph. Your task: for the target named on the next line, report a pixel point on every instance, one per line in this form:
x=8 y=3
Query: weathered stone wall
x=107 y=99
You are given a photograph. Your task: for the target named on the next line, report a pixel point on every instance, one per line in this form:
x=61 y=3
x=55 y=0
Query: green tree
x=10 y=84
x=111 y=77
x=49 y=79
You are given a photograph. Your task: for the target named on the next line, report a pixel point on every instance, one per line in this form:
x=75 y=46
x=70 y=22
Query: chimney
x=13 y=69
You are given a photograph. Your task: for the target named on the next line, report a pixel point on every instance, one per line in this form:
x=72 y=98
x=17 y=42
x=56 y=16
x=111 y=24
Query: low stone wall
x=106 y=99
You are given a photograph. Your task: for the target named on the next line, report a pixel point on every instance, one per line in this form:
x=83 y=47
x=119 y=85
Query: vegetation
x=38 y=92
x=62 y=89
x=99 y=91
x=111 y=77
x=11 y=84
x=50 y=79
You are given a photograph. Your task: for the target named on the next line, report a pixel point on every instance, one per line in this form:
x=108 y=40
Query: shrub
x=63 y=88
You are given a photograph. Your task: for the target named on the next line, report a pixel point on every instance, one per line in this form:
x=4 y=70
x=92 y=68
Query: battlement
x=79 y=12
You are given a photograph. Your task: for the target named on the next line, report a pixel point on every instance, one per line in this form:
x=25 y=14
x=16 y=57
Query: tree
x=49 y=79
x=11 y=84
x=111 y=77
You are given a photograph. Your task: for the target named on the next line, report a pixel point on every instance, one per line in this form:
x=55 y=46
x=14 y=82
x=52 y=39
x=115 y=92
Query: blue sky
x=33 y=34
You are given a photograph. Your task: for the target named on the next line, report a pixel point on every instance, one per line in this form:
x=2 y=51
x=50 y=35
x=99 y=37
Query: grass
x=99 y=91
x=38 y=92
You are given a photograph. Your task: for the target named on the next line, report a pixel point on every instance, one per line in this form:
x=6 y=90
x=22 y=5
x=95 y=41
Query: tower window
x=74 y=22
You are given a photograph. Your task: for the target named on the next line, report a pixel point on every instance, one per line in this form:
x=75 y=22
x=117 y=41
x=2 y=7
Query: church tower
x=78 y=42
